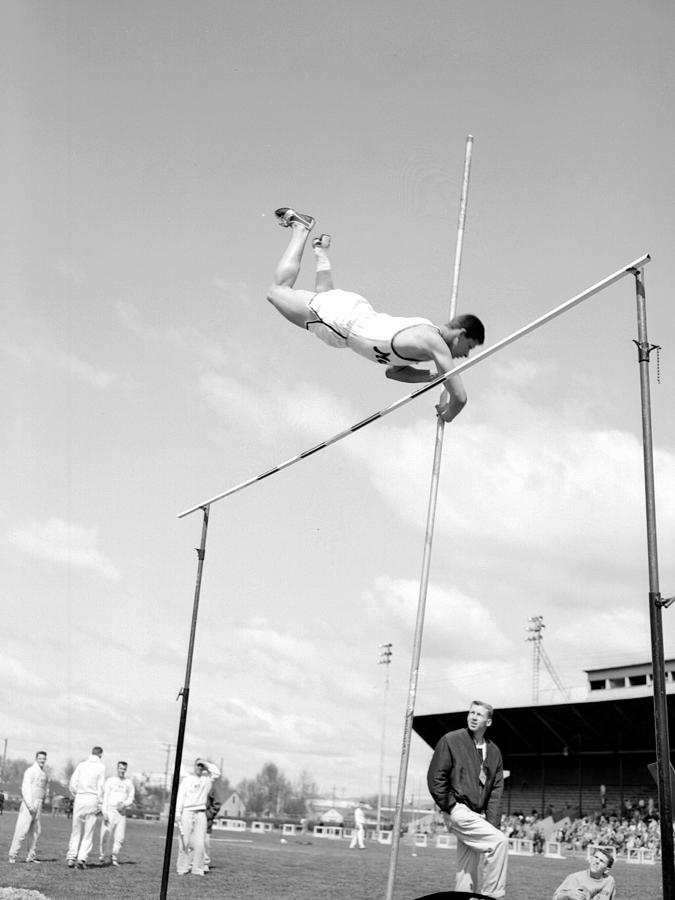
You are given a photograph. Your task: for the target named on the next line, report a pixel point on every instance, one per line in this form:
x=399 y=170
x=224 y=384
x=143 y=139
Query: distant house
x=331 y=817
x=336 y=812
x=231 y=804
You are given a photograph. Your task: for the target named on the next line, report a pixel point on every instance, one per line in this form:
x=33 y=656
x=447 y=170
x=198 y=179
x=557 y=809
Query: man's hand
x=449 y=406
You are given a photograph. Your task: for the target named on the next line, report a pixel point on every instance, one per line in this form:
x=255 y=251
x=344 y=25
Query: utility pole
x=384 y=660
x=168 y=748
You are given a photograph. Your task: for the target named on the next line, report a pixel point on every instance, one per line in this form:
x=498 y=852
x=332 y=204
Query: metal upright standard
x=426 y=557
x=184 y=694
x=656 y=603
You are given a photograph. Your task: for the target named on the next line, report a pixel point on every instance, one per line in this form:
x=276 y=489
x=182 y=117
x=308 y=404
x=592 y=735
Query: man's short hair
x=122 y=762
x=97 y=751
x=41 y=753
x=486 y=706
x=608 y=853
x=472 y=325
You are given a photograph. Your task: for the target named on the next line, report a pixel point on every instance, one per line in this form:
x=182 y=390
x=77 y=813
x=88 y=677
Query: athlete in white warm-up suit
x=118 y=795
x=191 y=803
x=86 y=786
x=33 y=790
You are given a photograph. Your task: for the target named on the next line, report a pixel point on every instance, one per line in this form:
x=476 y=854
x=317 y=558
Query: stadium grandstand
x=581 y=758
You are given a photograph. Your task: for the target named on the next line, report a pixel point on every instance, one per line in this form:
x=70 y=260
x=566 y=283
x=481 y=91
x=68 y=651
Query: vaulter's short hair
x=97 y=751
x=486 y=706
x=472 y=325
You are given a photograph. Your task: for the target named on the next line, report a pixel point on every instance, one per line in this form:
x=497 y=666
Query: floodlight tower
x=536 y=636
x=384 y=660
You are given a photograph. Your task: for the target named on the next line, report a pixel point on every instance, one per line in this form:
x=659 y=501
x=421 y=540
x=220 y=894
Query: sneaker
x=114 y=862
x=287 y=217
x=323 y=240
x=12 y=859
x=31 y=859
x=81 y=864
x=70 y=863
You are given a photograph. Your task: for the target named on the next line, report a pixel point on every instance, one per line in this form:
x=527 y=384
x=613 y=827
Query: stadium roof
x=616 y=726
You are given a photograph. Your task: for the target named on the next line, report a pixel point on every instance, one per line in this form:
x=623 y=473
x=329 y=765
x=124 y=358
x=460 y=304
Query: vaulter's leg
x=291 y=303
x=324 y=275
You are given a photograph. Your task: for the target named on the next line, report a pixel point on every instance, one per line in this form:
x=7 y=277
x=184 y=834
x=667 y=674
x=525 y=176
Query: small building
x=231 y=804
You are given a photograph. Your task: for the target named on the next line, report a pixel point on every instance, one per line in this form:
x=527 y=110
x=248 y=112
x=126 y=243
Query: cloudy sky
x=146 y=147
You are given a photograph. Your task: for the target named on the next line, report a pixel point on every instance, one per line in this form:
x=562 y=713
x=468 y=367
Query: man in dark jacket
x=466 y=780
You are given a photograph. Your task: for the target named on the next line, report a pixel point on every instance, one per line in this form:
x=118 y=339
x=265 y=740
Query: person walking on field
x=33 y=791
x=86 y=786
x=359 y=828
x=466 y=781
x=345 y=319
x=118 y=795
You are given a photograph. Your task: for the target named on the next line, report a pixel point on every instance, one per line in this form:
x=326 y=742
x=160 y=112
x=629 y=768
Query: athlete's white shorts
x=335 y=314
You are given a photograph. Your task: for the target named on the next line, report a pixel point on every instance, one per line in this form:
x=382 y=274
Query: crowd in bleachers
x=636 y=828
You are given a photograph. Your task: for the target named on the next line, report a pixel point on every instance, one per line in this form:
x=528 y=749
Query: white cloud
x=55 y=359
x=455 y=625
x=14 y=675
x=65 y=544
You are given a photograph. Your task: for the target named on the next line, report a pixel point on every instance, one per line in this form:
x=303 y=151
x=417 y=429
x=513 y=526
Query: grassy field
x=260 y=867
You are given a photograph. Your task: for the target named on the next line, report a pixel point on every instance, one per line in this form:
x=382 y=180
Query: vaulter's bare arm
x=430 y=346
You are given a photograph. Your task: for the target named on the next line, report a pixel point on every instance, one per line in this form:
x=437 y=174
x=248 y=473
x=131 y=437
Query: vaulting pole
x=656 y=604
x=184 y=694
x=426 y=556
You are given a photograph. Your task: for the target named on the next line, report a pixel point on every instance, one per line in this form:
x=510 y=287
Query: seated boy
x=594 y=882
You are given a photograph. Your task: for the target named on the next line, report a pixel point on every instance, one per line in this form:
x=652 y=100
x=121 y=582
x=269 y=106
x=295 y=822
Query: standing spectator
x=359 y=827
x=191 y=816
x=593 y=882
x=86 y=786
x=33 y=790
x=213 y=805
x=118 y=795
x=466 y=780
x=2 y=803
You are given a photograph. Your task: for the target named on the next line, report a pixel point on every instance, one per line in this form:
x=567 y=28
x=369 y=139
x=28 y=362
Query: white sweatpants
x=84 y=820
x=112 y=834
x=27 y=826
x=357 y=837
x=192 y=843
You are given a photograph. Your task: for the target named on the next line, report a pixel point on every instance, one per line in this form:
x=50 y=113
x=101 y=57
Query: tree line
x=269 y=793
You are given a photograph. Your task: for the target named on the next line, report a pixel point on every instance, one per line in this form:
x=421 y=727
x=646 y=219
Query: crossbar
x=637 y=264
